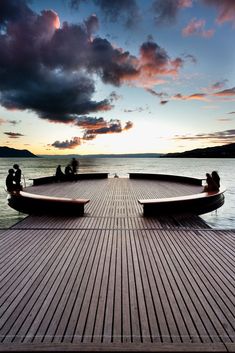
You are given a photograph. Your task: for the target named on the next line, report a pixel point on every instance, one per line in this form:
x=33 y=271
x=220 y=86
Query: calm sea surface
x=224 y=217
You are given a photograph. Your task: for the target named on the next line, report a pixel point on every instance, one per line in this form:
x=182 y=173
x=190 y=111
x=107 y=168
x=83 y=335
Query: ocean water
x=224 y=217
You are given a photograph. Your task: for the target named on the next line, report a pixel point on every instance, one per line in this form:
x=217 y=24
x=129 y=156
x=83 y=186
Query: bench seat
x=189 y=204
x=40 y=204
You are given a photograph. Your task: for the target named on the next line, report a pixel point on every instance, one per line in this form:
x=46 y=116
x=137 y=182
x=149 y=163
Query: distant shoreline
x=224 y=151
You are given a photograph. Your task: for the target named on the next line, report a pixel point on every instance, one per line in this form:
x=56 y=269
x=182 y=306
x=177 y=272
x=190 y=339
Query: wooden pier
x=115 y=280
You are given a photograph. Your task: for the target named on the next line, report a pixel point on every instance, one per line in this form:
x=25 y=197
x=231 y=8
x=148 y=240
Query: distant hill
x=225 y=151
x=7 y=152
x=125 y=155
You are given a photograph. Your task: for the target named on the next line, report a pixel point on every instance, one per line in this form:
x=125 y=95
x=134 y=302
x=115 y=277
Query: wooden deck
x=115 y=280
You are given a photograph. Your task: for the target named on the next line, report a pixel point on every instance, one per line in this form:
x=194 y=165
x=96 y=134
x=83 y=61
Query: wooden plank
x=114 y=279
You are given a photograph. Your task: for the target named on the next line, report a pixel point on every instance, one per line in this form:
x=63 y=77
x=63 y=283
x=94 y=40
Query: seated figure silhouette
x=216 y=178
x=59 y=175
x=10 y=183
x=68 y=172
x=210 y=184
x=17 y=177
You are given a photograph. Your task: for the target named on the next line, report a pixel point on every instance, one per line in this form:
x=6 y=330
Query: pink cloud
x=196 y=27
x=226 y=10
x=185 y=3
x=226 y=92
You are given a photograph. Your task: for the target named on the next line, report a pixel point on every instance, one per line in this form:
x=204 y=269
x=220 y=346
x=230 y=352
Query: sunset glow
x=89 y=77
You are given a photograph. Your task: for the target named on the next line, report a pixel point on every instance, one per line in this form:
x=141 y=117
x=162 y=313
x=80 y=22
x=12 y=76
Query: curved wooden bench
x=190 y=204
x=79 y=176
x=40 y=204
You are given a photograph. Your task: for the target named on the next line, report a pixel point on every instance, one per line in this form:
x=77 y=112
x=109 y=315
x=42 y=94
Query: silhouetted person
x=216 y=178
x=59 y=175
x=10 y=184
x=74 y=165
x=17 y=177
x=68 y=172
x=211 y=185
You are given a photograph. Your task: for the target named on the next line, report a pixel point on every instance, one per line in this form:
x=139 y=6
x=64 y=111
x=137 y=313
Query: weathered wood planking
x=107 y=286
x=114 y=280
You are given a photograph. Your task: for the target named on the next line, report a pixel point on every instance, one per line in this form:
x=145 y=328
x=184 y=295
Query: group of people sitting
x=13 y=179
x=69 y=173
x=212 y=182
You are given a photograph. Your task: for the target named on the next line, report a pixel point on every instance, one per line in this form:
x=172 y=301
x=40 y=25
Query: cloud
x=113 y=97
x=197 y=27
x=166 y=11
x=224 y=119
x=13 y=11
x=225 y=93
x=48 y=84
x=115 y=10
x=194 y=96
x=190 y=57
x=226 y=10
x=164 y=102
x=110 y=127
x=2 y=121
x=14 y=122
x=231 y=113
x=227 y=136
x=56 y=85
x=13 y=135
x=137 y=109
x=39 y=74
x=68 y=144
x=154 y=63
x=157 y=94
x=219 y=84
x=128 y=125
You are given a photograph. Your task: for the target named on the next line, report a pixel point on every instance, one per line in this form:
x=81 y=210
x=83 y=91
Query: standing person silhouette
x=17 y=177
x=75 y=165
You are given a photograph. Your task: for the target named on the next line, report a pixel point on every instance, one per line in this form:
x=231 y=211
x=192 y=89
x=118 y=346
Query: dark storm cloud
x=68 y=144
x=13 y=135
x=166 y=11
x=14 y=10
x=49 y=69
x=35 y=75
x=115 y=10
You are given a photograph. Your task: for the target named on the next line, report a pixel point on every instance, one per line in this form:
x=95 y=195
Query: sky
x=120 y=76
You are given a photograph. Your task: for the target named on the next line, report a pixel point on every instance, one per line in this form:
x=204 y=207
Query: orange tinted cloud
x=68 y=144
x=194 y=96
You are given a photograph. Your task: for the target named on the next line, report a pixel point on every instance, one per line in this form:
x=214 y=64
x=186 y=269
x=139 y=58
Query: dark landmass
x=126 y=155
x=7 y=152
x=225 y=151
